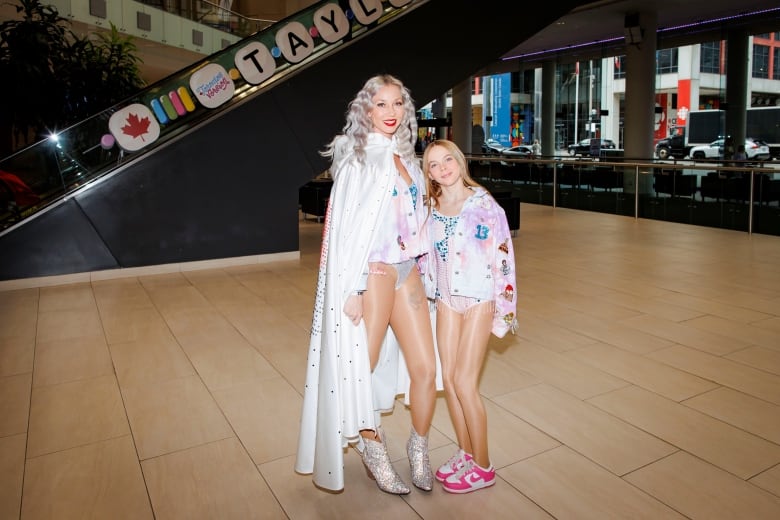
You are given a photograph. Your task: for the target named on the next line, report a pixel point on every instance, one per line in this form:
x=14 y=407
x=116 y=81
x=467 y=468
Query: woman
x=472 y=278
x=374 y=245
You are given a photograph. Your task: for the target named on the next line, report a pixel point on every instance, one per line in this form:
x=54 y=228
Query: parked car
x=522 y=150
x=754 y=150
x=493 y=147
x=584 y=147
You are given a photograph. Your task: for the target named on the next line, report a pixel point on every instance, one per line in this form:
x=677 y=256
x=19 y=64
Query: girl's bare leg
x=411 y=323
x=448 y=325
x=462 y=350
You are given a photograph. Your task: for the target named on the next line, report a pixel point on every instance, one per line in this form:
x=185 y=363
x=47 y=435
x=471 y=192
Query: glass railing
x=743 y=197
x=55 y=168
x=213 y=15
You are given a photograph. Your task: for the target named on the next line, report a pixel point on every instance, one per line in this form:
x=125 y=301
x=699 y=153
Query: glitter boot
x=379 y=468
x=417 y=450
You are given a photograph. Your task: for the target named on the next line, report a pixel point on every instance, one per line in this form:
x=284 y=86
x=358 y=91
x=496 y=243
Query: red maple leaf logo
x=136 y=127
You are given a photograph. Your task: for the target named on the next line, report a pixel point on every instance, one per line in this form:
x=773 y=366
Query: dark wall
x=230 y=187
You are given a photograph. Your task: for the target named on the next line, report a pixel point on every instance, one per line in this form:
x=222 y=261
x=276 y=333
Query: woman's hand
x=353 y=308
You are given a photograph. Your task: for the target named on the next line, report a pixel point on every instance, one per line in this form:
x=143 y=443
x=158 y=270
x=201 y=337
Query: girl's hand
x=353 y=308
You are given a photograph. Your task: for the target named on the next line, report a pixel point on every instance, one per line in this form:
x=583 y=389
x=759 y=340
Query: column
x=736 y=86
x=461 y=117
x=639 y=121
x=548 y=108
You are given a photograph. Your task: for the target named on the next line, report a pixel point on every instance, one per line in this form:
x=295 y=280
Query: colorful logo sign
x=212 y=85
x=134 y=127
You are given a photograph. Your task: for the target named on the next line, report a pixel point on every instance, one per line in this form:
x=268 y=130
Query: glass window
x=760 y=61
x=776 y=63
x=666 y=61
x=619 y=67
x=710 y=57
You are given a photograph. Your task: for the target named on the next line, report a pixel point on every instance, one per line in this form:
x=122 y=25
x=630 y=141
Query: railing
x=50 y=171
x=744 y=197
x=212 y=14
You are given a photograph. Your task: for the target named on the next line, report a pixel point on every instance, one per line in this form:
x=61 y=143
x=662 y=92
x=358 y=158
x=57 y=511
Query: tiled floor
x=643 y=382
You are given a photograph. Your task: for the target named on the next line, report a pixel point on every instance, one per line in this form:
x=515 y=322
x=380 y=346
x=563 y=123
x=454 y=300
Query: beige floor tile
x=738 y=331
x=11 y=475
x=499 y=376
x=14 y=403
x=614 y=333
x=705 y=306
x=769 y=480
x=641 y=371
x=700 y=490
x=73 y=414
x=16 y=355
x=19 y=323
x=223 y=290
x=568 y=485
x=227 y=360
x=265 y=414
x=361 y=498
x=264 y=326
x=214 y=480
x=743 y=411
x=656 y=306
x=758 y=357
x=511 y=439
x=577 y=378
x=722 y=371
x=169 y=280
x=718 y=443
x=62 y=361
x=172 y=299
x=20 y=299
x=687 y=335
x=173 y=415
x=68 y=324
x=204 y=325
x=97 y=480
x=133 y=324
x=543 y=332
x=610 y=442
x=149 y=360
x=770 y=323
x=123 y=293
x=77 y=296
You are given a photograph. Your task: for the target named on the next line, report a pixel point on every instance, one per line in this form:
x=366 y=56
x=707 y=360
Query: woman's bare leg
x=411 y=323
x=377 y=306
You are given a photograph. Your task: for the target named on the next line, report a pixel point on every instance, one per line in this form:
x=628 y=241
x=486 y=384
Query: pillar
x=639 y=121
x=736 y=86
x=548 y=108
x=461 y=117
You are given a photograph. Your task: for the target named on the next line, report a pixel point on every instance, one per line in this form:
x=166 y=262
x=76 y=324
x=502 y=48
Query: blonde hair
x=355 y=132
x=433 y=188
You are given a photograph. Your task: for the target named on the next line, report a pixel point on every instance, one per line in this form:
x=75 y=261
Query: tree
x=53 y=78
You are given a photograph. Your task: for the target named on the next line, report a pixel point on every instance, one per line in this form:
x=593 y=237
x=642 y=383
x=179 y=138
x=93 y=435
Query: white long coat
x=342 y=396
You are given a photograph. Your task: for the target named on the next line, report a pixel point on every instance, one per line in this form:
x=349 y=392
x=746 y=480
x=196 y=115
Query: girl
x=472 y=279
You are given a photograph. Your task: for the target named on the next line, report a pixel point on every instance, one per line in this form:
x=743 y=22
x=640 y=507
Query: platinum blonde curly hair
x=355 y=132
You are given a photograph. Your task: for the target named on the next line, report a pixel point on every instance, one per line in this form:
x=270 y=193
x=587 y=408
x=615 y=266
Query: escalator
x=166 y=177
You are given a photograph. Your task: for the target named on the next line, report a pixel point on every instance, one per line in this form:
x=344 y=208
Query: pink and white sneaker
x=471 y=477
x=452 y=466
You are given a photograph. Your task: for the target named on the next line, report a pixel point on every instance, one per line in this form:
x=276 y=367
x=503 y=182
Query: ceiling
x=585 y=32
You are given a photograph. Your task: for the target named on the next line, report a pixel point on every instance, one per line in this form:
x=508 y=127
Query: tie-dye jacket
x=481 y=259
